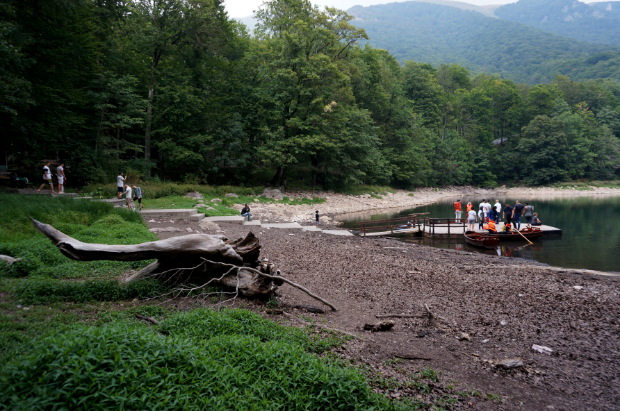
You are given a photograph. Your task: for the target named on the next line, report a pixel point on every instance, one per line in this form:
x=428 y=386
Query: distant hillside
x=594 y=22
x=440 y=34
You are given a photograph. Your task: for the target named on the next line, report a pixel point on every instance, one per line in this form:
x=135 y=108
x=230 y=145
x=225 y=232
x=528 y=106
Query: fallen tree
x=191 y=262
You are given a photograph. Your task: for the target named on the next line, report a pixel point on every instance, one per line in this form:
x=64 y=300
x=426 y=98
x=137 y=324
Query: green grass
x=204 y=360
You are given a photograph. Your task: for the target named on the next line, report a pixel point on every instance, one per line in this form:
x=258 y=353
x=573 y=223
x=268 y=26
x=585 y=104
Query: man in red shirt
x=457 y=209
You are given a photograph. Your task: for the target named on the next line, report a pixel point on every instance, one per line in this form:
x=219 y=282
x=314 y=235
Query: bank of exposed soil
x=364 y=277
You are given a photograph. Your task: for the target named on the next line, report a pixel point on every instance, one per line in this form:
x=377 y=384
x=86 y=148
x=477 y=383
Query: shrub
x=119 y=366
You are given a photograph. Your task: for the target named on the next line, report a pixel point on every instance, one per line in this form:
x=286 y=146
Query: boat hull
x=481 y=240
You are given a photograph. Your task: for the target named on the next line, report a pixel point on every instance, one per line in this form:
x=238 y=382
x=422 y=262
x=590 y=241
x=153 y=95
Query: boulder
x=231 y=195
x=194 y=194
x=216 y=200
x=208 y=225
x=275 y=194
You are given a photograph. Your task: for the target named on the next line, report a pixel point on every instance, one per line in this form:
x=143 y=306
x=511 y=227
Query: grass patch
x=45 y=290
x=242 y=362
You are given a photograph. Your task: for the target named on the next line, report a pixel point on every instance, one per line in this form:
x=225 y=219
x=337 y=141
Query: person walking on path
x=137 y=195
x=458 y=210
x=517 y=212
x=508 y=213
x=528 y=213
x=471 y=219
x=60 y=174
x=120 y=183
x=245 y=212
x=47 y=178
x=316 y=217
x=128 y=198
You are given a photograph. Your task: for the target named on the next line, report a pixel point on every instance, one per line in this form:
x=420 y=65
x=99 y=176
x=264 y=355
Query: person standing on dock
x=471 y=218
x=517 y=212
x=470 y=207
x=498 y=211
x=528 y=213
x=316 y=217
x=458 y=210
x=508 y=214
x=481 y=217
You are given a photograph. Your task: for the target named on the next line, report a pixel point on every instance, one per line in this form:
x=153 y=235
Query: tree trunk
x=195 y=259
x=149 y=121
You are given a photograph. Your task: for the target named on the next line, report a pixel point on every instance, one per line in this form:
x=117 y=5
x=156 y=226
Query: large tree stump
x=195 y=258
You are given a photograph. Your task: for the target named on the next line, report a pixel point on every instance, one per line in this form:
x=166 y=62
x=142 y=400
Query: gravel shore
x=339 y=204
x=504 y=305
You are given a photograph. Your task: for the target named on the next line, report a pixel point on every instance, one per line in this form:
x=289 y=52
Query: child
x=316 y=216
x=481 y=217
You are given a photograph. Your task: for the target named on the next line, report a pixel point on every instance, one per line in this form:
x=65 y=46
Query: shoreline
x=341 y=204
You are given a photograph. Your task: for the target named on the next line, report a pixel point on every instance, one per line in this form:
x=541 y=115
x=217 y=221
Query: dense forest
x=438 y=34
x=593 y=22
x=175 y=90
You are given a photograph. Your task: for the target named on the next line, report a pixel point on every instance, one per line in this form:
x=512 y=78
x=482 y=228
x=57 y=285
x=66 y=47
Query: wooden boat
x=531 y=233
x=481 y=239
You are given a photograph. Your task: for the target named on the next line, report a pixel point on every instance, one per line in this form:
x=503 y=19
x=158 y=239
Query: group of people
x=489 y=215
x=132 y=193
x=47 y=178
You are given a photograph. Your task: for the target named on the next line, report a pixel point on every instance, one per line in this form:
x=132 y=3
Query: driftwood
x=148 y=319
x=200 y=259
x=411 y=357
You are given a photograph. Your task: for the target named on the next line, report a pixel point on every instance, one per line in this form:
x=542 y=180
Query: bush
x=120 y=366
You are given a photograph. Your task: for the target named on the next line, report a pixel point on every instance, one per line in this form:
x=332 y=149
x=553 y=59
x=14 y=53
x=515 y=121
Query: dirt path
x=504 y=310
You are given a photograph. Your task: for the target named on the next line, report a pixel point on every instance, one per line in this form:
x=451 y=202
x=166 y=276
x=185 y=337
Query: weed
x=411 y=195
x=273 y=303
x=494 y=397
x=393 y=361
x=428 y=374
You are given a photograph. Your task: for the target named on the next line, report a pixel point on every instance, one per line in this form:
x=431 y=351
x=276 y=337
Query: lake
x=590 y=231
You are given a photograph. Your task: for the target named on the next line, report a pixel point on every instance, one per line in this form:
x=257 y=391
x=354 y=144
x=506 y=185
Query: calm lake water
x=590 y=231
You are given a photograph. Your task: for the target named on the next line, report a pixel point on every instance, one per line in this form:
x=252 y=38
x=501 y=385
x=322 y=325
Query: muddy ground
x=504 y=309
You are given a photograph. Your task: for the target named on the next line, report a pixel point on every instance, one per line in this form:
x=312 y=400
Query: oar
x=521 y=234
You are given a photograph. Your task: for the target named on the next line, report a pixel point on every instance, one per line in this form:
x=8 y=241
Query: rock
x=194 y=194
x=464 y=336
x=510 y=363
x=485 y=341
x=256 y=200
x=232 y=195
x=578 y=287
x=503 y=322
x=542 y=349
x=208 y=225
x=216 y=200
x=382 y=326
x=275 y=194
x=164 y=230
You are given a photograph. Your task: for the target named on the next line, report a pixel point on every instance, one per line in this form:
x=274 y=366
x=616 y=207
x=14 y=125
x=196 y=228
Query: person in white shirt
x=47 y=178
x=128 y=198
x=481 y=216
x=120 y=183
x=471 y=220
x=60 y=174
x=485 y=208
x=498 y=209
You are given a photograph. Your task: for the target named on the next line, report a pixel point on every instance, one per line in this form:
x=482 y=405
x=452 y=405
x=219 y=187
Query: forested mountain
x=440 y=34
x=175 y=90
x=593 y=22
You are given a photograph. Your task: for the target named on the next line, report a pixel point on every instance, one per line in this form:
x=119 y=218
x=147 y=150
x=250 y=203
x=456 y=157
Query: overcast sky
x=244 y=8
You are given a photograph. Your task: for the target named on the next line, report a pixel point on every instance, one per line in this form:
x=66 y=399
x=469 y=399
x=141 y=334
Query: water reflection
x=517 y=249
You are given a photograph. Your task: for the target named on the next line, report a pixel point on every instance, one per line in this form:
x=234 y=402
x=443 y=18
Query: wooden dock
x=444 y=231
